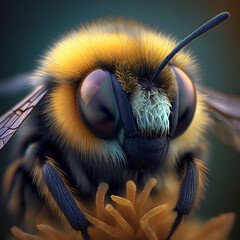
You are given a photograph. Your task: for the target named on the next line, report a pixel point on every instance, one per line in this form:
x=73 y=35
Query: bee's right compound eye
x=96 y=104
x=187 y=101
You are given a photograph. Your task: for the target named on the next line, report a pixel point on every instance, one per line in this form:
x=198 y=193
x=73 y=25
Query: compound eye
x=97 y=105
x=187 y=101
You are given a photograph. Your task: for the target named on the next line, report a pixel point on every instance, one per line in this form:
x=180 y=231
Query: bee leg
x=188 y=192
x=65 y=200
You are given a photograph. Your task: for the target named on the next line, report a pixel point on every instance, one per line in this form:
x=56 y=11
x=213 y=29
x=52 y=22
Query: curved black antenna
x=198 y=32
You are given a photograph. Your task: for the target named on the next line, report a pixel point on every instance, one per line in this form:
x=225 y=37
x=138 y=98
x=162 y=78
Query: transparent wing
x=225 y=111
x=11 y=121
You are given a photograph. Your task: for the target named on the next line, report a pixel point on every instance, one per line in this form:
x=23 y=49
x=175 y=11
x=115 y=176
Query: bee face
x=78 y=70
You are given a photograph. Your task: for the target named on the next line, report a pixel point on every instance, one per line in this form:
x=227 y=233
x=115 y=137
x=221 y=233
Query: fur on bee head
x=151 y=110
x=125 y=48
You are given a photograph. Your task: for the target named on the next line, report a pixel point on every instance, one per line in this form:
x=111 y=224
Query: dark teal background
x=29 y=27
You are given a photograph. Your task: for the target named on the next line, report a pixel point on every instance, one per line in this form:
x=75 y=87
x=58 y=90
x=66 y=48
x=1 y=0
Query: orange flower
x=137 y=216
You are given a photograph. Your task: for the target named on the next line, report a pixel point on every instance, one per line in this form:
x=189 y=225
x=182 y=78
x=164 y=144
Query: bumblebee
x=114 y=101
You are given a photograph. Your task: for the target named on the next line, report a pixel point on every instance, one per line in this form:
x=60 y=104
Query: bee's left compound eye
x=96 y=104
x=186 y=101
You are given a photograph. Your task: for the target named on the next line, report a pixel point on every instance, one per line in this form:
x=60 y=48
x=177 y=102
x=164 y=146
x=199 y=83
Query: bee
x=113 y=102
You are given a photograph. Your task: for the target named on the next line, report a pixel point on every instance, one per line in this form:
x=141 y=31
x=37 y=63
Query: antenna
x=198 y=32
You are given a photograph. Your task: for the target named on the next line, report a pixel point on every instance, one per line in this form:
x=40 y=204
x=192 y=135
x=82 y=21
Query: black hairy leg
x=65 y=200
x=20 y=194
x=188 y=191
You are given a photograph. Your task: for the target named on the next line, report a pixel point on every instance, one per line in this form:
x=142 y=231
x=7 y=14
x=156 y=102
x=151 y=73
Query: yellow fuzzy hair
x=111 y=42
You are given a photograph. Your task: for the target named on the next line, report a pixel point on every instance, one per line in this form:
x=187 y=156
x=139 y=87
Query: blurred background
x=29 y=27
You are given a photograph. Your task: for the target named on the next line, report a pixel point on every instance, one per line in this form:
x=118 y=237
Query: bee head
x=110 y=101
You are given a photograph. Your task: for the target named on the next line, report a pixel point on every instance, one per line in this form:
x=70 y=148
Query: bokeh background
x=29 y=27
